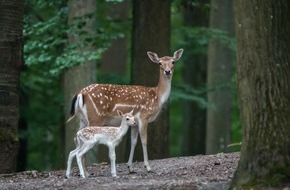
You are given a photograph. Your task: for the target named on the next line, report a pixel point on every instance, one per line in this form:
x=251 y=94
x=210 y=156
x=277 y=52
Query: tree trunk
x=80 y=76
x=11 y=60
x=219 y=74
x=263 y=52
x=114 y=62
x=151 y=32
x=114 y=59
x=194 y=118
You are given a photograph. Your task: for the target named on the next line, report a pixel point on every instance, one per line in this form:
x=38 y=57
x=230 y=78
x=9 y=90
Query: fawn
x=109 y=136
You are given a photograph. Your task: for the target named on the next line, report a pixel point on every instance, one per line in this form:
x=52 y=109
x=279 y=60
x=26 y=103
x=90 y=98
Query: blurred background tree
x=219 y=75
x=195 y=17
x=64 y=53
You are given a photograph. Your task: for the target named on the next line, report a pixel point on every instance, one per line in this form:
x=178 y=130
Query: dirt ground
x=196 y=172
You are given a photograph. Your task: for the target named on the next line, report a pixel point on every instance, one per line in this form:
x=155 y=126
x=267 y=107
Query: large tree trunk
x=151 y=32
x=11 y=60
x=263 y=52
x=80 y=76
x=219 y=73
x=194 y=118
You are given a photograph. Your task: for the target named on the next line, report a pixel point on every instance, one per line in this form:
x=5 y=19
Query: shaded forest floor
x=196 y=172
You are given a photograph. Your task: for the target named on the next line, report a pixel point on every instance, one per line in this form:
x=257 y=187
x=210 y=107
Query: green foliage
x=198 y=38
x=189 y=93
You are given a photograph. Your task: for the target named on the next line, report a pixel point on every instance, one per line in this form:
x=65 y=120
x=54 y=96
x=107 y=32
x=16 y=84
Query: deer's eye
x=127 y=119
x=173 y=62
x=160 y=63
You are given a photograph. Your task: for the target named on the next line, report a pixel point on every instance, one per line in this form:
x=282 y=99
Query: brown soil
x=196 y=172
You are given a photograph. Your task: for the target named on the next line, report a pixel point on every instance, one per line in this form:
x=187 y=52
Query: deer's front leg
x=112 y=156
x=134 y=138
x=143 y=135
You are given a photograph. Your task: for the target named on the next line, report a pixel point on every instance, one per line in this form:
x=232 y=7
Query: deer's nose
x=167 y=72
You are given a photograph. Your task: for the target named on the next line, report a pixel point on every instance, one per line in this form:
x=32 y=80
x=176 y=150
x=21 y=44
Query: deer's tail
x=77 y=101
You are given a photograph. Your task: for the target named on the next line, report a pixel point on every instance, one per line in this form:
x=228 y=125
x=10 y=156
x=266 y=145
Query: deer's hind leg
x=85 y=148
x=134 y=138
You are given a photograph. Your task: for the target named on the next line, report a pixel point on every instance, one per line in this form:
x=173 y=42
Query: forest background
x=63 y=44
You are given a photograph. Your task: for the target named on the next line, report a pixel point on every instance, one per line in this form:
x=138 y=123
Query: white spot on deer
x=101 y=102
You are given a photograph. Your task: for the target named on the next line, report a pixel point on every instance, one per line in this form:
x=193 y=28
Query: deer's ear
x=153 y=56
x=119 y=113
x=177 y=54
x=132 y=112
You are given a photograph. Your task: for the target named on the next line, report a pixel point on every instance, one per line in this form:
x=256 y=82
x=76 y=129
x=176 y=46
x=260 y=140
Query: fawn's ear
x=131 y=112
x=177 y=54
x=120 y=113
x=153 y=56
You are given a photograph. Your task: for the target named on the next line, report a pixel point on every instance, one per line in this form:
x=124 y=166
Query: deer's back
x=103 y=100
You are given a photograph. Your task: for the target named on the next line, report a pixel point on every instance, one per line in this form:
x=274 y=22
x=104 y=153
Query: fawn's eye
x=160 y=63
x=127 y=119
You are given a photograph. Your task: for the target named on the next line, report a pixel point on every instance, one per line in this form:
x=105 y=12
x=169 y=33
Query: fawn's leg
x=112 y=156
x=79 y=156
x=69 y=161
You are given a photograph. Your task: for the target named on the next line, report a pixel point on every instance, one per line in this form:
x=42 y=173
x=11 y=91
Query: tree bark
x=151 y=32
x=114 y=62
x=79 y=76
x=263 y=53
x=219 y=74
x=11 y=60
x=194 y=118
x=114 y=59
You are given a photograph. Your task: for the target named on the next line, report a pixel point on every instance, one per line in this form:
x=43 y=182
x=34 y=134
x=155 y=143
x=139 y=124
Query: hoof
x=131 y=169
x=148 y=168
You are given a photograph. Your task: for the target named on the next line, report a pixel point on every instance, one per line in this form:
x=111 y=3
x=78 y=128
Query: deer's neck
x=164 y=87
x=122 y=129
